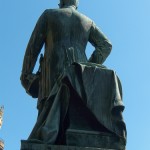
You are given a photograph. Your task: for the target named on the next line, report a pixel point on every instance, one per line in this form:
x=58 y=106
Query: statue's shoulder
x=83 y=17
x=55 y=13
x=86 y=21
x=50 y=11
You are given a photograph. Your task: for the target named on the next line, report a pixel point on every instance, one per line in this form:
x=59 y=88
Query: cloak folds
x=99 y=89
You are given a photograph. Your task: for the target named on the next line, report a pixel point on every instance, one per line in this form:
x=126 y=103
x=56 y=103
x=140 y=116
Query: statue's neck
x=72 y=6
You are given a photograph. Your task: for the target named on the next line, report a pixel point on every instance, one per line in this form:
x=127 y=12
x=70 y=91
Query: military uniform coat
x=64 y=33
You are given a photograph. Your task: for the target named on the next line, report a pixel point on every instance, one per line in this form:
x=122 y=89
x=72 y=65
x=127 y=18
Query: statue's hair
x=69 y=2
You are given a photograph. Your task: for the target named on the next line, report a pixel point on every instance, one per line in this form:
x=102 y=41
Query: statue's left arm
x=33 y=49
x=101 y=43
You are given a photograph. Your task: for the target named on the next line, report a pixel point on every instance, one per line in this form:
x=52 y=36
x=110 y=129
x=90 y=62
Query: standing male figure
x=65 y=33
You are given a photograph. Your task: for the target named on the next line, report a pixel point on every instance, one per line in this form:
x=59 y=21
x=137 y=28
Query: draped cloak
x=99 y=89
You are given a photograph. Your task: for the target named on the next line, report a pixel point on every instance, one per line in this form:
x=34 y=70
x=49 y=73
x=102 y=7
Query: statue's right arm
x=101 y=43
x=33 y=49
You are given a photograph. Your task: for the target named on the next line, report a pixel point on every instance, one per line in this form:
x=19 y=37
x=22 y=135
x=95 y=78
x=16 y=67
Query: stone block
x=84 y=138
x=26 y=145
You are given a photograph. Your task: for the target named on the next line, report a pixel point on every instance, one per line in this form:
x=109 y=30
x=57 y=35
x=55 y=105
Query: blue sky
x=126 y=23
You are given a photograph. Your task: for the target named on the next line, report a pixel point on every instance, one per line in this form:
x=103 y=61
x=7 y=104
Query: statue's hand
x=24 y=80
x=96 y=57
x=31 y=83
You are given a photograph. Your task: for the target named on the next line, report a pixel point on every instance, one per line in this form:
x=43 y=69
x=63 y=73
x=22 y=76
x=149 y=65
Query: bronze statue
x=67 y=81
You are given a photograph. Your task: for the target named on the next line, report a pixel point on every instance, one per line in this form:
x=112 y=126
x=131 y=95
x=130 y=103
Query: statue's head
x=64 y=3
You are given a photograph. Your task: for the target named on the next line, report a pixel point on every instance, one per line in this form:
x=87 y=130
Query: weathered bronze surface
x=74 y=93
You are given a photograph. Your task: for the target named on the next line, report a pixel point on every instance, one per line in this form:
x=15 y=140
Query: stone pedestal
x=33 y=146
x=79 y=140
x=82 y=138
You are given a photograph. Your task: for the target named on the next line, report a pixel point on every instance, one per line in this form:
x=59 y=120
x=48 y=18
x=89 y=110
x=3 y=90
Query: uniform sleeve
x=34 y=47
x=35 y=44
x=101 y=43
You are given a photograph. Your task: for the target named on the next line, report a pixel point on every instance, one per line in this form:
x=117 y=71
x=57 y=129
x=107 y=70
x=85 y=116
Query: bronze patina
x=79 y=99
